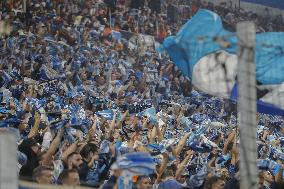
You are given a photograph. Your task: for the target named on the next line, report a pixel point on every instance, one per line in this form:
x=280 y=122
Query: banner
x=198 y=53
x=270 y=3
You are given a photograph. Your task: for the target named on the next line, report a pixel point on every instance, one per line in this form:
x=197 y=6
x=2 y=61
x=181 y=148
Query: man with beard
x=74 y=161
x=89 y=154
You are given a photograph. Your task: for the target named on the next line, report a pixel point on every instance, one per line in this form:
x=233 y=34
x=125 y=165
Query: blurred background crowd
x=91 y=103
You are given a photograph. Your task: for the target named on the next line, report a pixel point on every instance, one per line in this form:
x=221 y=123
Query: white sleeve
x=46 y=141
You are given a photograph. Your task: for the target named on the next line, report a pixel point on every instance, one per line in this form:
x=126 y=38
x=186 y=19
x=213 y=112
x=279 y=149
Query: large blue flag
x=195 y=51
x=204 y=34
x=196 y=40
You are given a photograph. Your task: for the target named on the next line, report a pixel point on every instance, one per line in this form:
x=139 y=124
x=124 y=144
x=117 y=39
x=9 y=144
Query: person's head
x=176 y=80
x=23 y=125
x=261 y=180
x=28 y=72
x=83 y=76
x=74 y=161
x=93 y=18
x=214 y=151
x=128 y=120
x=282 y=130
x=268 y=177
x=225 y=173
x=232 y=184
x=113 y=76
x=101 y=80
x=144 y=182
x=132 y=77
x=12 y=60
x=214 y=183
x=183 y=178
x=170 y=184
x=118 y=74
x=28 y=146
x=171 y=77
x=131 y=88
x=69 y=178
x=121 y=100
x=116 y=134
x=43 y=175
x=89 y=151
x=169 y=172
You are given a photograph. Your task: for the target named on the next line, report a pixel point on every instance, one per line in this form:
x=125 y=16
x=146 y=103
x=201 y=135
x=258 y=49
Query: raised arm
x=183 y=164
x=227 y=142
x=35 y=128
x=153 y=135
x=91 y=132
x=112 y=125
x=279 y=175
x=159 y=133
x=181 y=144
x=119 y=125
x=234 y=153
x=162 y=167
x=72 y=148
x=47 y=157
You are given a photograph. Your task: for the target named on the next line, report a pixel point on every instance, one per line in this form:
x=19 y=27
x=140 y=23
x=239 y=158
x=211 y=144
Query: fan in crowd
x=89 y=107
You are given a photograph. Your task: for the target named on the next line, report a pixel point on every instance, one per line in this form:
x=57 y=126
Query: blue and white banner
x=151 y=114
x=204 y=34
x=205 y=52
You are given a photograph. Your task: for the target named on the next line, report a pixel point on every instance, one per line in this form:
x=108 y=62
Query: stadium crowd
x=88 y=106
